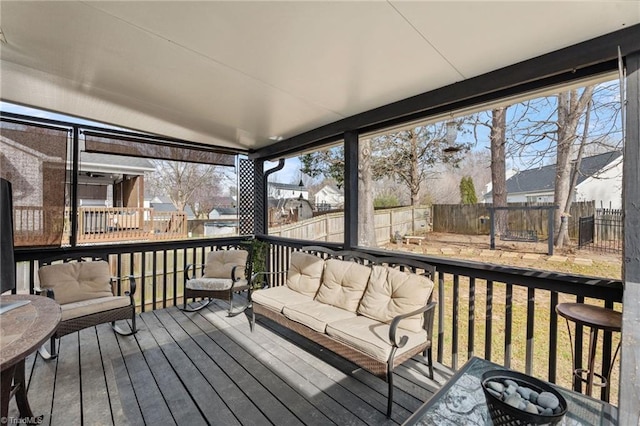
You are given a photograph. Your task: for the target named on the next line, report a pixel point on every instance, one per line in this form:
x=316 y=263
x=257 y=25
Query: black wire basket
x=503 y=414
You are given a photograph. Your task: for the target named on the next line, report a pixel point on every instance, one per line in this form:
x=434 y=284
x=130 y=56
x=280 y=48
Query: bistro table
x=461 y=401
x=595 y=318
x=22 y=331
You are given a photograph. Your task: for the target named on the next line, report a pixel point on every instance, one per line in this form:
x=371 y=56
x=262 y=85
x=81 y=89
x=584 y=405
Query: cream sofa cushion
x=275 y=298
x=392 y=292
x=371 y=336
x=76 y=281
x=92 y=306
x=343 y=284
x=315 y=315
x=305 y=272
x=220 y=263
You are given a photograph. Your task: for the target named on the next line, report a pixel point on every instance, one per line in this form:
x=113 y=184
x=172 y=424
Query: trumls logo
x=22 y=420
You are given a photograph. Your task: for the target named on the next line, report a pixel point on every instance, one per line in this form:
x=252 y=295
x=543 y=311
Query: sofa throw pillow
x=305 y=272
x=343 y=284
x=77 y=281
x=392 y=292
x=220 y=263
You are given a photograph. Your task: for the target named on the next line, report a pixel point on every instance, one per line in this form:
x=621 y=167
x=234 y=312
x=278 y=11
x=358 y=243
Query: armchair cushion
x=371 y=336
x=392 y=292
x=343 y=284
x=93 y=306
x=214 y=284
x=220 y=263
x=305 y=272
x=77 y=281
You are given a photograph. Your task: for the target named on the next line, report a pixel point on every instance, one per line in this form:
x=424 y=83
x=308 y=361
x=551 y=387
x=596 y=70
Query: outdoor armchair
x=224 y=273
x=85 y=290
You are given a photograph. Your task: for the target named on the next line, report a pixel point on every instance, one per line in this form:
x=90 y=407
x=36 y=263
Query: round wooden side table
x=596 y=318
x=22 y=331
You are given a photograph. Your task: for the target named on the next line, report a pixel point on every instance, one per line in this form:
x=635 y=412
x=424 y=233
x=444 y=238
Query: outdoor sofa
x=376 y=312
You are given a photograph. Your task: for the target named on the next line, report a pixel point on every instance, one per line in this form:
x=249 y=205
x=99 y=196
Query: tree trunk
x=570 y=109
x=498 y=167
x=414 y=185
x=366 y=223
x=563 y=234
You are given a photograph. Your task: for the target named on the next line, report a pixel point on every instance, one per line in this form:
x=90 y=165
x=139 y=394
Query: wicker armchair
x=85 y=290
x=224 y=273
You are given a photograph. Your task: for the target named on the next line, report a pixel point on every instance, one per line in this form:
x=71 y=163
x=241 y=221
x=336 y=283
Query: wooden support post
x=351 y=190
x=629 y=413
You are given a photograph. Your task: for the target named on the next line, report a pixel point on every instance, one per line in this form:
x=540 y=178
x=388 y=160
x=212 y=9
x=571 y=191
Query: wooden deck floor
x=207 y=368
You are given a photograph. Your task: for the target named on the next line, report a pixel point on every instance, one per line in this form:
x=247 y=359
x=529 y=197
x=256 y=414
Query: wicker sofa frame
x=380 y=369
x=107 y=316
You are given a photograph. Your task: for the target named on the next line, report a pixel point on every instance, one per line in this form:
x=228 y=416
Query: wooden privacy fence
x=473 y=219
x=330 y=227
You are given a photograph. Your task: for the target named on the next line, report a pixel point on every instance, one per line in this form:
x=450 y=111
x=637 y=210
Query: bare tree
x=545 y=130
x=410 y=156
x=572 y=106
x=203 y=199
x=330 y=163
x=366 y=216
x=181 y=181
x=498 y=167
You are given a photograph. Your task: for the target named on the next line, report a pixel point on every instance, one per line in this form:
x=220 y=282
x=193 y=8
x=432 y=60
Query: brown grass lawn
x=608 y=266
x=519 y=324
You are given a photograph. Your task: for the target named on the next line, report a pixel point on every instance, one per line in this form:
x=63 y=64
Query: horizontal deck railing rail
x=504 y=314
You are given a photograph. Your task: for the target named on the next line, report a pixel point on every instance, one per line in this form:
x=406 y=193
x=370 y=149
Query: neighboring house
x=27 y=169
x=599 y=180
x=111 y=180
x=103 y=181
x=329 y=197
x=164 y=204
x=285 y=211
x=223 y=219
x=488 y=187
x=281 y=191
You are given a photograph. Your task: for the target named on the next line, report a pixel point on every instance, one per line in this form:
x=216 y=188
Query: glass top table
x=462 y=401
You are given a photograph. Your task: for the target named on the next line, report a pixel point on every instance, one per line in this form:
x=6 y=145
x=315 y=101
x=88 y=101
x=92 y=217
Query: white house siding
x=329 y=195
x=530 y=197
x=283 y=193
x=605 y=188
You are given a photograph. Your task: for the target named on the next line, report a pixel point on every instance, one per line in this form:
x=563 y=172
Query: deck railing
x=106 y=224
x=99 y=224
x=158 y=267
x=504 y=314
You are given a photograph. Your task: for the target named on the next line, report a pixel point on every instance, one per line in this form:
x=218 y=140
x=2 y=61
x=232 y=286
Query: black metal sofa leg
x=429 y=355
x=390 y=393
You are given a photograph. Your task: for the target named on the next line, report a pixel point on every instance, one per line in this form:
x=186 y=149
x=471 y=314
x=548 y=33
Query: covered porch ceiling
x=244 y=75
